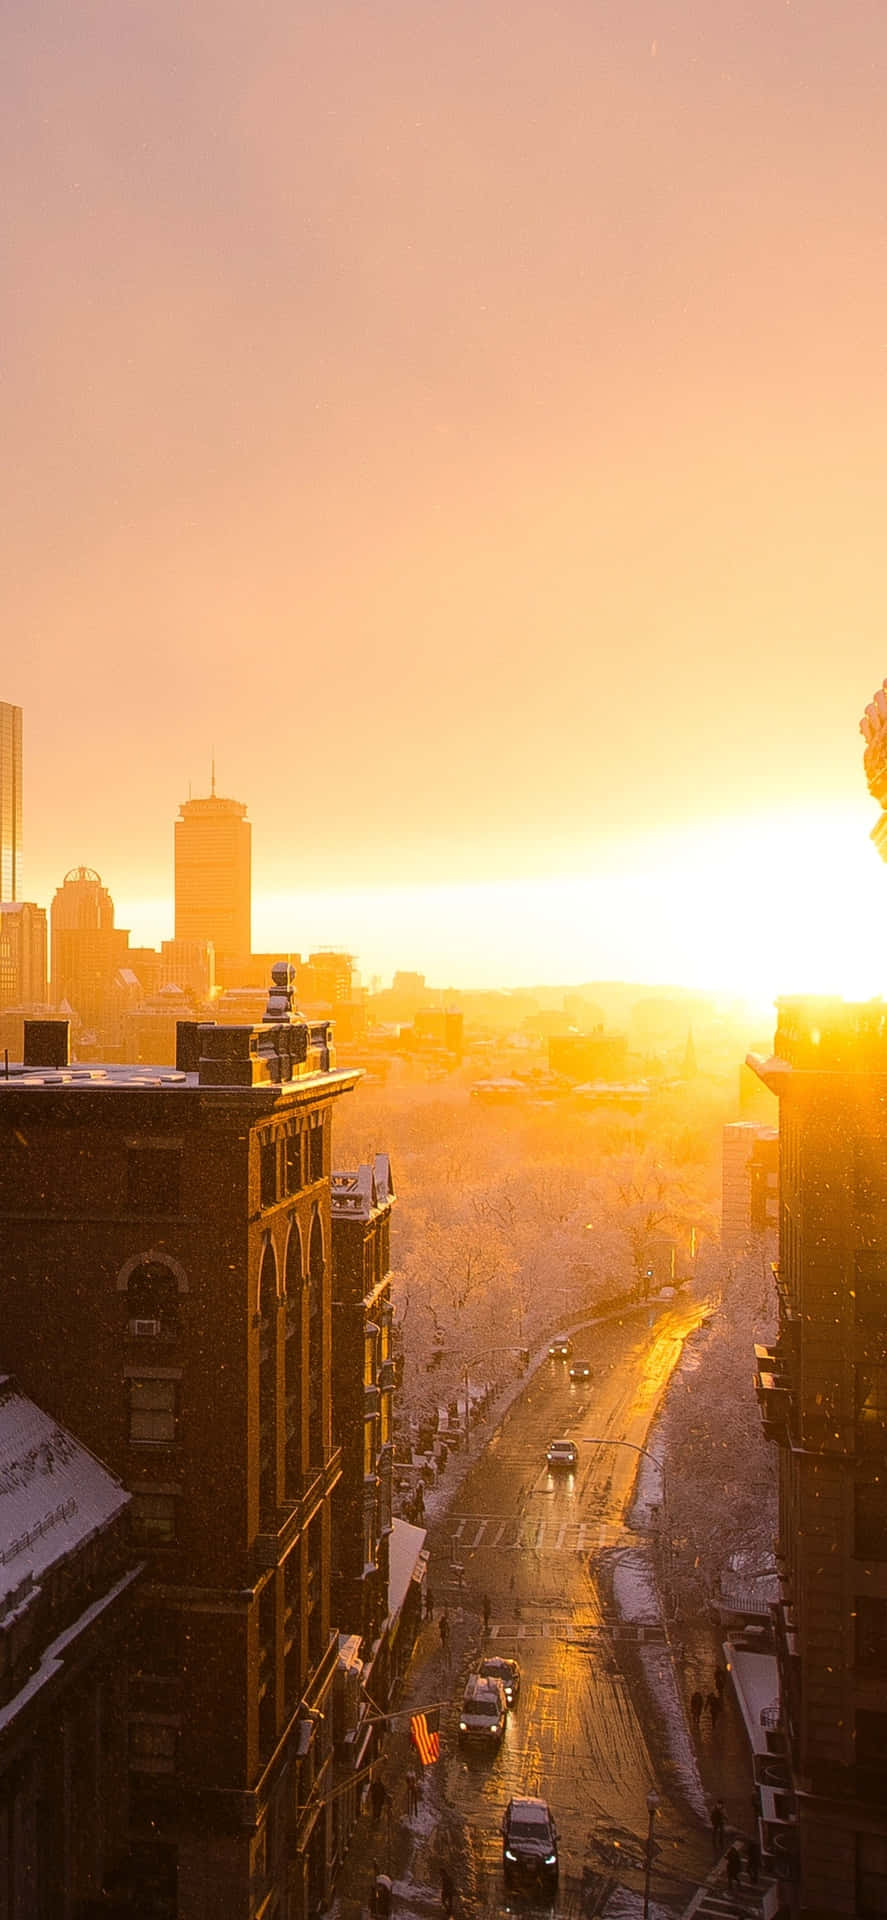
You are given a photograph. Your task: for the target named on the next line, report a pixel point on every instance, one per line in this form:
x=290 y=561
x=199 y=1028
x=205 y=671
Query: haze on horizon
x=462 y=418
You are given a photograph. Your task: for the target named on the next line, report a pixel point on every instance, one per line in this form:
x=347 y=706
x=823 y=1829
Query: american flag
x=425 y=1736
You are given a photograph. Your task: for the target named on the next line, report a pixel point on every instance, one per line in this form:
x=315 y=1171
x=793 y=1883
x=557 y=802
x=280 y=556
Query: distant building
x=822 y=1389
x=66 y=1575
x=22 y=954
x=443 y=1026
x=749 y=1155
x=10 y=801
x=191 y=965
x=213 y=878
x=588 y=1056
x=86 y=948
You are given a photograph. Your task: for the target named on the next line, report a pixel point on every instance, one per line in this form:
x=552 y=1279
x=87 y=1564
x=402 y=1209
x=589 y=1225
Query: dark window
x=153 y=1179
x=315 y=1140
x=870 y=1541
x=153 y=1519
x=871 y=1289
x=158 y=1641
x=871 y=1632
x=294 y=1177
x=268 y=1172
x=152 y=1746
x=871 y=1407
x=871 y=1873
x=152 y=1412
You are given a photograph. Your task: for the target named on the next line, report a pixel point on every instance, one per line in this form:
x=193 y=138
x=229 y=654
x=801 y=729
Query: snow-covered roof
x=54 y=1494
x=404 y=1547
x=358 y=1192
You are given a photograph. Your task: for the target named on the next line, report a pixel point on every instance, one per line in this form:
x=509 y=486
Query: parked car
x=562 y=1453
x=560 y=1348
x=529 y=1843
x=508 y=1671
x=580 y=1370
x=484 y=1711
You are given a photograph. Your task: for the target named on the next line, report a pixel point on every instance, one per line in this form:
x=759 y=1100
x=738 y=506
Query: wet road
x=529 y=1539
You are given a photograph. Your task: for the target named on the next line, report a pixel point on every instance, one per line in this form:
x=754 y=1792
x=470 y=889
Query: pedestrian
x=752 y=1860
x=696 y=1705
x=443 y=1628
x=429 y=1604
x=447 y=1891
x=733 y=1865
x=487 y=1610
x=382 y=1896
x=720 y=1680
x=717 y=1825
x=715 y=1708
x=378 y=1797
x=412 y=1792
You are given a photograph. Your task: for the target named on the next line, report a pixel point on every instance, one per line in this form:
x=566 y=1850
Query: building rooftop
x=357 y=1194
x=54 y=1495
x=825 y=1035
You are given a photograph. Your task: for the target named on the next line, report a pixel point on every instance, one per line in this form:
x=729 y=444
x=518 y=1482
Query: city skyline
x=498 y=433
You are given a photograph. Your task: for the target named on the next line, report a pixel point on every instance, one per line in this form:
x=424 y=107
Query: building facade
x=749 y=1169
x=822 y=1389
x=86 y=949
x=67 y=1572
x=165 y=1267
x=213 y=879
x=10 y=801
x=23 y=980
x=363 y=1393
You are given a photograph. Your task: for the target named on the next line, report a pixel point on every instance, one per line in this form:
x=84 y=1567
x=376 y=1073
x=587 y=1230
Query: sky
x=464 y=418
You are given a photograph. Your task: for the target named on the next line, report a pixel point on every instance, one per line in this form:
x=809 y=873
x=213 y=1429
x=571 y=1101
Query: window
x=294 y=1177
x=369 y=1451
x=871 y=1288
x=871 y=1873
x=152 y=1412
x=158 y=1644
x=871 y=1407
x=153 y=1179
x=871 y=1632
x=315 y=1149
x=153 y=1519
x=267 y=1171
x=870 y=1517
x=152 y=1746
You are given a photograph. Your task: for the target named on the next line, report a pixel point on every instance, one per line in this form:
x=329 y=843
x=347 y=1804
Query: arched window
x=316 y=1434
x=152 y=1287
x=295 y=1338
x=268 y=1390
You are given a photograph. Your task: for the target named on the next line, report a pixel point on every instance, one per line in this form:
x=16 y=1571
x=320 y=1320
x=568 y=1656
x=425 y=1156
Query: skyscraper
x=213 y=875
x=10 y=801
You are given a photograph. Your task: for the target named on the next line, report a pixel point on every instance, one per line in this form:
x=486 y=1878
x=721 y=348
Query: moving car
x=560 y=1348
x=508 y=1671
x=529 y=1842
x=562 y=1453
x=580 y=1370
x=484 y=1711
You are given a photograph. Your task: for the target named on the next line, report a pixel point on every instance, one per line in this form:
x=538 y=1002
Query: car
x=529 y=1842
x=484 y=1711
x=560 y=1348
x=562 y=1453
x=580 y=1370
x=508 y=1671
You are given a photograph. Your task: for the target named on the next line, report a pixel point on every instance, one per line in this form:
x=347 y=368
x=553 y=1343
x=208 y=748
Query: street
x=530 y=1539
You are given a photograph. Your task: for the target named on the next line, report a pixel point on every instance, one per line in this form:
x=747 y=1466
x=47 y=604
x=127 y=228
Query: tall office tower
x=22 y=954
x=822 y=1389
x=213 y=877
x=10 y=801
x=86 y=949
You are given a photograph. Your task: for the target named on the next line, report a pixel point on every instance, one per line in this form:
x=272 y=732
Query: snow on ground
x=625 y=1905
x=637 y=1600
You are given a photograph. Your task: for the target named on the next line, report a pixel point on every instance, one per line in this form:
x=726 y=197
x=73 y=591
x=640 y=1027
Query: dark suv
x=529 y=1843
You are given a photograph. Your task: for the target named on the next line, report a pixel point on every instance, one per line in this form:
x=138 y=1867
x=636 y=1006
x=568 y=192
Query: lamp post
x=652 y=1809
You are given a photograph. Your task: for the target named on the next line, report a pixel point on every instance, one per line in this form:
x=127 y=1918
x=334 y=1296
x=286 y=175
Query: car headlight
x=509 y=1855
x=550 y=1859
x=462 y=1727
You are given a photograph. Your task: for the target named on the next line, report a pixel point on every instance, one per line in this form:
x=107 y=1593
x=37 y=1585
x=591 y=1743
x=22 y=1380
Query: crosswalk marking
x=473 y=1530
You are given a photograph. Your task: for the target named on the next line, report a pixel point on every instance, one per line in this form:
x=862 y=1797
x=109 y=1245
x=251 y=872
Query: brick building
x=66 y=1576
x=363 y=1385
x=165 y=1269
x=822 y=1389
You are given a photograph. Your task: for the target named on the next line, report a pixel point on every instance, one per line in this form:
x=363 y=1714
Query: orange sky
x=467 y=416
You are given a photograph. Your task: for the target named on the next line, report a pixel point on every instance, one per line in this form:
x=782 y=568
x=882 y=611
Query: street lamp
x=652 y=1809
